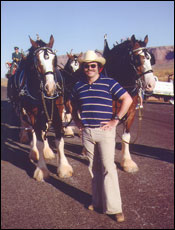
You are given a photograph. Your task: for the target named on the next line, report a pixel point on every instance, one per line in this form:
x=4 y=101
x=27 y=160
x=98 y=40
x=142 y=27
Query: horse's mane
x=118 y=65
x=40 y=43
x=125 y=46
x=29 y=57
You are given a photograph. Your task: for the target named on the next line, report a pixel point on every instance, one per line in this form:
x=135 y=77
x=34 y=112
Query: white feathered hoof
x=68 y=132
x=34 y=155
x=48 y=153
x=65 y=171
x=41 y=174
x=129 y=166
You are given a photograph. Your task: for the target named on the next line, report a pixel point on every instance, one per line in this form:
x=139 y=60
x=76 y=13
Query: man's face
x=16 y=50
x=91 y=69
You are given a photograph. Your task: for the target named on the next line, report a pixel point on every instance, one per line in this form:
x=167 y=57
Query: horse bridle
x=40 y=76
x=135 y=62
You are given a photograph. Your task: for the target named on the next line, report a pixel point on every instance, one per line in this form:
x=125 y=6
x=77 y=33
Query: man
x=16 y=57
x=91 y=102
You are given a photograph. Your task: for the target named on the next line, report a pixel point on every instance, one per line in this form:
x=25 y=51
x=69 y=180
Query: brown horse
x=37 y=91
x=71 y=74
x=130 y=64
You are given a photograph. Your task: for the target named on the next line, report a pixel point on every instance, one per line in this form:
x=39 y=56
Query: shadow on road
x=151 y=152
x=77 y=194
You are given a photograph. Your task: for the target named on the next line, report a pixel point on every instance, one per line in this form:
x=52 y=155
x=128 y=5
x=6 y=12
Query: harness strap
x=49 y=118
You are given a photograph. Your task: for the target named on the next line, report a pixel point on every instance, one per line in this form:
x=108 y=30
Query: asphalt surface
x=147 y=196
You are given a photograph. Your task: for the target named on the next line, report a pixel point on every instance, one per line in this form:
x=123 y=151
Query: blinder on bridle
x=136 y=59
x=46 y=56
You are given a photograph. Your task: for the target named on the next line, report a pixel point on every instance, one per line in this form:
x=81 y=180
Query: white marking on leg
x=41 y=171
x=34 y=154
x=48 y=153
x=126 y=162
x=125 y=146
x=64 y=168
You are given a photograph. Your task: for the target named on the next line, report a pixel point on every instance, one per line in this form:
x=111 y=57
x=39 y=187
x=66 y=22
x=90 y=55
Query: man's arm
x=126 y=102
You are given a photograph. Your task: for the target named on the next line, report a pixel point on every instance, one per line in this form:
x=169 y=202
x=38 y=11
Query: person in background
x=16 y=57
x=91 y=102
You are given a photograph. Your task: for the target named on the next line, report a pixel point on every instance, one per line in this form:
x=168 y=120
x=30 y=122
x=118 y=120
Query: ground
x=147 y=196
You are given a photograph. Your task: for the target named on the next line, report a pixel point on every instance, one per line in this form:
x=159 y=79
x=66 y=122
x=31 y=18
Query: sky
x=81 y=25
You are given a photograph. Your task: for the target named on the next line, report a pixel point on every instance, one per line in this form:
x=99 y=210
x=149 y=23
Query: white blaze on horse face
x=75 y=65
x=148 y=77
x=47 y=64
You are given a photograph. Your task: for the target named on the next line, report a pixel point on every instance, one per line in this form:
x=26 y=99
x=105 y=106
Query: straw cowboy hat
x=91 y=56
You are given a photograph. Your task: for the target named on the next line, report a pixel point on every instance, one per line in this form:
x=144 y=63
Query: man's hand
x=108 y=125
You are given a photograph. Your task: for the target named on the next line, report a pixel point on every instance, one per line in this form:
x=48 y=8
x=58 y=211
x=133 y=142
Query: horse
x=129 y=63
x=37 y=91
x=71 y=74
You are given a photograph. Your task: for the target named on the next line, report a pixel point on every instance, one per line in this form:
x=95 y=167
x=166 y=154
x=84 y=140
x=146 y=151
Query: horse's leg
x=23 y=135
x=126 y=161
x=68 y=132
x=34 y=153
x=64 y=169
x=48 y=153
x=41 y=172
x=125 y=157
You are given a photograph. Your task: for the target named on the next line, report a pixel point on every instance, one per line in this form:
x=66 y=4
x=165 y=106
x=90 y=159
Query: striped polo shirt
x=95 y=100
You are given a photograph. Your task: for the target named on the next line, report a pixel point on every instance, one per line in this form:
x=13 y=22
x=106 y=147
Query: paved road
x=148 y=195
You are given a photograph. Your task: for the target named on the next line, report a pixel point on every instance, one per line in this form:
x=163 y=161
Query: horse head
x=73 y=63
x=45 y=62
x=129 y=62
x=142 y=62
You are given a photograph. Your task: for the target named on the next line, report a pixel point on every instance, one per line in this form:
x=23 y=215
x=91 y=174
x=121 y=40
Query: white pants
x=100 y=150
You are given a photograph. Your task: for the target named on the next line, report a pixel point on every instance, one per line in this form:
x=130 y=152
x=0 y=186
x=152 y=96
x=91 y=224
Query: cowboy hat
x=91 y=56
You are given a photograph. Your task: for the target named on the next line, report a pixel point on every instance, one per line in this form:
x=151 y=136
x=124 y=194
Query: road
x=147 y=196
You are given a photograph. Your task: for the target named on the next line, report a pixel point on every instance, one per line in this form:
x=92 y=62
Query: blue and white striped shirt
x=95 y=100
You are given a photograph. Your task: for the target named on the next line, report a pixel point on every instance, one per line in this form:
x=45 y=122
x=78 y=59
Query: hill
x=164 y=66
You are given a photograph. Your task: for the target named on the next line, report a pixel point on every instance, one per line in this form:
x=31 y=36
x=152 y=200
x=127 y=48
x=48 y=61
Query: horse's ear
x=34 y=44
x=80 y=55
x=133 y=38
x=146 y=39
x=69 y=56
x=50 y=44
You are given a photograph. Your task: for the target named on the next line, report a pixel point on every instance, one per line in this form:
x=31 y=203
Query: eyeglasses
x=87 y=66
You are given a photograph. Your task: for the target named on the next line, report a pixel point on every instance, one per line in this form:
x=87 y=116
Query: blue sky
x=81 y=25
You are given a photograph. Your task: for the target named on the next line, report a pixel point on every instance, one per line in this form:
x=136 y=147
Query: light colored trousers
x=100 y=150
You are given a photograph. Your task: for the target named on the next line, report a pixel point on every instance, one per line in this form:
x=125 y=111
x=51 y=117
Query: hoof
x=41 y=174
x=65 y=171
x=68 y=132
x=129 y=166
